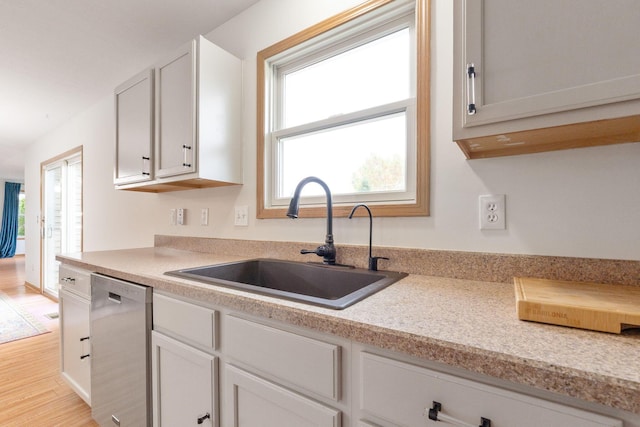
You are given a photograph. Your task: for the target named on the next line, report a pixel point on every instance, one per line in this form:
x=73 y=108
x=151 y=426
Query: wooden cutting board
x=594 y=306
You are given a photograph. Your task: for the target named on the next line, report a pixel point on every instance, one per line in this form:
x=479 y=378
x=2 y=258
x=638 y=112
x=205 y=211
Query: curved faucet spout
x=373 y=261
x=328 y=250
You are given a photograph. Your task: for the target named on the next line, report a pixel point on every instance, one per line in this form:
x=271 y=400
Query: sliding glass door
x=61 y=214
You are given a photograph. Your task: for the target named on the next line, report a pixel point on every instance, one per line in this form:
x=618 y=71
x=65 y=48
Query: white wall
x=582 y=202
x=111 y=219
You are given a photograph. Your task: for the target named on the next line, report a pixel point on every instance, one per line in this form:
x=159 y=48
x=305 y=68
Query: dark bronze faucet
x=373 y=261
x=328 y=250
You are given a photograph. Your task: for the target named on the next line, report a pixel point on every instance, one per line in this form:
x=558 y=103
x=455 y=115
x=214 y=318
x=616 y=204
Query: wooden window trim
x=421 y=205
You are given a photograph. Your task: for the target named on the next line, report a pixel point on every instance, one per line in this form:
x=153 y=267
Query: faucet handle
x=328 y=252
x=373 y=262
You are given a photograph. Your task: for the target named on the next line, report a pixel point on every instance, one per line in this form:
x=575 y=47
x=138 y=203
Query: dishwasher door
x=120 y=343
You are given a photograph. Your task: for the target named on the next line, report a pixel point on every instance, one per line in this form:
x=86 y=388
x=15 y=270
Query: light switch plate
x=241 y=217
x=204 y=216
x=180 y=217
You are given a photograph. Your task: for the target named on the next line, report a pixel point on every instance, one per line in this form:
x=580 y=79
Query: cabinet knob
x=204 y=417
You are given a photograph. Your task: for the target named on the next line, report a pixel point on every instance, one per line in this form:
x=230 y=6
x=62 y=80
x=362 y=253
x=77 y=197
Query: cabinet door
x=254 y=402
x=134 y=129
x=184 y=384
x=176 y=113
x=74 y=343
x=533 y=58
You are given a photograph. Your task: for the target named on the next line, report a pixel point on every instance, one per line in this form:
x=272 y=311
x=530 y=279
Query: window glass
x=366 y=76
x=372 y=158
x=21 y=210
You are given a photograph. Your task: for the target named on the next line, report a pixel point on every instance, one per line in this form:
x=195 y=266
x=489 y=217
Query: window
x=21 y=201
x=347 y=101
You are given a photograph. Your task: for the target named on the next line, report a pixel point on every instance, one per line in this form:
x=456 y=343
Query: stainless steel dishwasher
x=120 y=343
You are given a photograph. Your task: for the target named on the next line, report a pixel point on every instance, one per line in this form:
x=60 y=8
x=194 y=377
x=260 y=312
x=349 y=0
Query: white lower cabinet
x=272 y=374
x=399 y=394
x=279 y=377
x=184 y=366
x=75 y=347
x=184 y=384
x=255 y=402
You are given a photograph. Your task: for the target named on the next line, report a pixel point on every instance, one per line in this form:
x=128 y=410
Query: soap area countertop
x=462 y=323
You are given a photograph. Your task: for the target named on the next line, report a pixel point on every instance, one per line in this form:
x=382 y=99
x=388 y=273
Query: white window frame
x=376 y=19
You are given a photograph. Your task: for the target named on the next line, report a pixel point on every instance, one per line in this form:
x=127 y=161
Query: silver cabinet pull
x=146 y=165
x=471 y=89
x=435 y=414
x=185 y=150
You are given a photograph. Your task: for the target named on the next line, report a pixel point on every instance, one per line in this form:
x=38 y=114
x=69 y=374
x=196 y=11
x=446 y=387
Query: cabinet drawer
x=75 y=280
x=399 y=393
x=190 y=323
x=304 y=362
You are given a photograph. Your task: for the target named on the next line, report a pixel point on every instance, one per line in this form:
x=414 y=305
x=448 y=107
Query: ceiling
x=59 y=57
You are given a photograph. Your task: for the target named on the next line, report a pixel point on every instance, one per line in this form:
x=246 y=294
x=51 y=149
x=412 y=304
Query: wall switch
x=493 y=212
x=180 y=217
x=172 y=217
x=241 y=217
x=204 y=216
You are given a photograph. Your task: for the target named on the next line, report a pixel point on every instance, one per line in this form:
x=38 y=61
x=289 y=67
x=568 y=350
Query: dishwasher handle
x=115 y=298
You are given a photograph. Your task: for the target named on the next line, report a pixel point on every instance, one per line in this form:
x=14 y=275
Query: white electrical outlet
x=204 y=216
x=172 y=217
x=180 y=217
x=241 y=217
x=493 y=212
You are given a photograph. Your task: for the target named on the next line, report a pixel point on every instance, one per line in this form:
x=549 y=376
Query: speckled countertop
x=463 y=323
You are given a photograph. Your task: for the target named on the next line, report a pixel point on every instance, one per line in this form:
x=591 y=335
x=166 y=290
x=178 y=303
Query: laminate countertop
x=462 y=323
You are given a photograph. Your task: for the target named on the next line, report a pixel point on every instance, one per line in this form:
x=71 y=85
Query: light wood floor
x=32 y=393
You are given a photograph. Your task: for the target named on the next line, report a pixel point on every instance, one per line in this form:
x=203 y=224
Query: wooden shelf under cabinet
x=589 y=134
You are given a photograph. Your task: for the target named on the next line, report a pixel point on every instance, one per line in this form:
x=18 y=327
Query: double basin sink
x=335 y=287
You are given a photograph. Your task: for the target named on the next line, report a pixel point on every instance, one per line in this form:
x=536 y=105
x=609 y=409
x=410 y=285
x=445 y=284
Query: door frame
x=67 y=154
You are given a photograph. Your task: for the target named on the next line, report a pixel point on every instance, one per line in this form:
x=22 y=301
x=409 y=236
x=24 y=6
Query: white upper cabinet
x=176 y=112
x=134 y=129
x=196 y=99
x=545 y=75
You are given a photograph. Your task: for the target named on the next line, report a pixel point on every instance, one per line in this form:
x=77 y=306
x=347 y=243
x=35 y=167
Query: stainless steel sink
x=329 y=286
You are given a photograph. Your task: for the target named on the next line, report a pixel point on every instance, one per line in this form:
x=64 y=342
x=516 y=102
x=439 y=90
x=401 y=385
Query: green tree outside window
x=21 y=202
